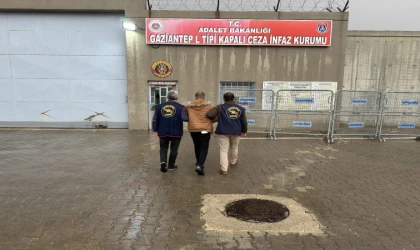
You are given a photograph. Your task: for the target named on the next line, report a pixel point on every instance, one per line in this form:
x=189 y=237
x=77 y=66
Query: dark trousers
x=201 y=146
x=164 y=146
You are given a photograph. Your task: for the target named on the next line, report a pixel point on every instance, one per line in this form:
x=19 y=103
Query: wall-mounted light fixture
x=129 y=26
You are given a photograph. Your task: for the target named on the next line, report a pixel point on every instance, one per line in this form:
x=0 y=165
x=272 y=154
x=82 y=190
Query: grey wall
x=385 y=61
x=203 y=67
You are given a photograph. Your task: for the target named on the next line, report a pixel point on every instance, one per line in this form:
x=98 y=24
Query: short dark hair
x=200 y=95
x=228 y=97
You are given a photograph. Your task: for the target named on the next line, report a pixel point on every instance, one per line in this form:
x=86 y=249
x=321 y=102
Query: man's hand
x=244 y=134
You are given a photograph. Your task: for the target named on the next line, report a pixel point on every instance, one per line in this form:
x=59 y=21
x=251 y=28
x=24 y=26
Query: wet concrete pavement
x=79 y=189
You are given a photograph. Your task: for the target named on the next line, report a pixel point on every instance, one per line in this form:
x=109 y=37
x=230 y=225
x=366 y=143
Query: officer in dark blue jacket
x=168 y=124
x=232 y=124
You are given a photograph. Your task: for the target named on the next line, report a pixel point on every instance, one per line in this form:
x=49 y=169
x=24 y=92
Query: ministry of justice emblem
x=162 y=69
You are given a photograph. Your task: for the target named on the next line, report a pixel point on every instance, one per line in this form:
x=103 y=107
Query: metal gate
x=303 y=112
x=400 y=115
x=356 y=113
x=259 y=110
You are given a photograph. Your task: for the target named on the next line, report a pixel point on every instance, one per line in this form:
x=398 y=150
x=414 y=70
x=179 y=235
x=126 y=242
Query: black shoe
x=163 y=167
x=172 y=168
x=199 y=170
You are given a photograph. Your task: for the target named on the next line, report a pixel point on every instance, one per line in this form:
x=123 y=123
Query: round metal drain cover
x=256 y=210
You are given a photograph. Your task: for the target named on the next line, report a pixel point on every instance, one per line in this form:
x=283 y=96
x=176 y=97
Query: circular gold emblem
x=168 y=111
x=162 y=69
x=233 y=112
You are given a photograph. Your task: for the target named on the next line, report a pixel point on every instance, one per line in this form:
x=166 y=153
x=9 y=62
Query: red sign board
x=162 y=83
x=238 y=32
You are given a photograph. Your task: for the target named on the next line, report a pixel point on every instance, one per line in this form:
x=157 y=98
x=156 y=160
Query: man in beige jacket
x=200 y=128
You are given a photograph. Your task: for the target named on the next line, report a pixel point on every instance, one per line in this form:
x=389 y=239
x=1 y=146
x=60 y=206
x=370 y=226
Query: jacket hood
x=198 y=104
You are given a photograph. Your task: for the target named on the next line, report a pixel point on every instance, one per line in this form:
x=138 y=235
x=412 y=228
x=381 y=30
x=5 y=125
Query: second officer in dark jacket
x=167 y=122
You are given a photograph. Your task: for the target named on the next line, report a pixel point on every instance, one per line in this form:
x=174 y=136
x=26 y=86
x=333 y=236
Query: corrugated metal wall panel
x=62 y=70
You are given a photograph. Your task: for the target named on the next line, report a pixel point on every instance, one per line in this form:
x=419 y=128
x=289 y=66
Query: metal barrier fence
x=320 y=113
x=259 y=109
x=356 y=113
x=303 y=112
x=400 y=115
